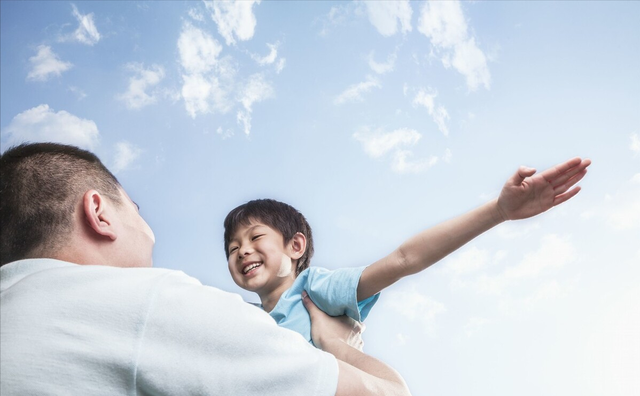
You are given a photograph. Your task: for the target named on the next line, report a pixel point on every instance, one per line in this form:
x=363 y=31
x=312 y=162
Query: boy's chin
x=248 y=287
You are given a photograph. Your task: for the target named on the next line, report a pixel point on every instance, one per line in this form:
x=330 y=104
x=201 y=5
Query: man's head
x=48 y=191
x=281 y=217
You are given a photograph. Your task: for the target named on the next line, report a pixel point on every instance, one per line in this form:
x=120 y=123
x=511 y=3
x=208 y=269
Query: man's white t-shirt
x=97 y=330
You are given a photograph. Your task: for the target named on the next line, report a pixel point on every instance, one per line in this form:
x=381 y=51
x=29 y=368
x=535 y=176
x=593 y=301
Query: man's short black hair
x=280 y=216
x=40 y=187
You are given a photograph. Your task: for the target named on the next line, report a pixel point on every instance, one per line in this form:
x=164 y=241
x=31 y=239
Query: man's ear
x=298 y=245
x=98 y=212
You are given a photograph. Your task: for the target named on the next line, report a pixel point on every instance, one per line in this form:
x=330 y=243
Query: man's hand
x=527 y=194
x=326 y=330
x=359 y=373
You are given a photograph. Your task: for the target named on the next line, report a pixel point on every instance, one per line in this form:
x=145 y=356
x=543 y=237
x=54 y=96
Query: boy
x=269 y=245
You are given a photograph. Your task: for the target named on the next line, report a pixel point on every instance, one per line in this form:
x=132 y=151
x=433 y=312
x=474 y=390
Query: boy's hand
x=527 y=194
x=327 y=330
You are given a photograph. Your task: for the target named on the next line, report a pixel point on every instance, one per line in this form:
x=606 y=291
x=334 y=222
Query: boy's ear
x=99 y=214
x=298 y=245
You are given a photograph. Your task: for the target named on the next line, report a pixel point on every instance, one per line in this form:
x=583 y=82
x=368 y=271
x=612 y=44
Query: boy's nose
x=244 y=251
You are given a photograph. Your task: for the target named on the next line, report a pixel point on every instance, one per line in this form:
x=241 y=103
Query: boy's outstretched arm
x=359 y=373
x=525 y=194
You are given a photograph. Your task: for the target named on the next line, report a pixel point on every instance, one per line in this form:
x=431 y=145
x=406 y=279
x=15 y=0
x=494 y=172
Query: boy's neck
x=271 y=298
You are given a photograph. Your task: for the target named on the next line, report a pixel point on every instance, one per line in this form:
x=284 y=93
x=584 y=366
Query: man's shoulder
x=43 y=268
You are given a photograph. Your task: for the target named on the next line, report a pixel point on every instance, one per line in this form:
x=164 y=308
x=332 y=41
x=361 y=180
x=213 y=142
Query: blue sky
x=376 y=120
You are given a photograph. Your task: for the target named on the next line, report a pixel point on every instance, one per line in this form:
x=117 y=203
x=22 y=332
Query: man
x=83 y=312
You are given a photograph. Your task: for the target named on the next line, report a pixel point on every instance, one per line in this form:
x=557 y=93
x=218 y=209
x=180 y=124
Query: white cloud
x=516 y=231
x=78 y=92
x=415 y=306
x=243 y=118
x=195 y=92
x=474 y=325
x=86 y=33
x=137 y=96
x=612 y=345
x=208 y=80
x=395 y=144
x=337 y=16
x=256 y=89
x=235 y=19
x=126 y=154
x=550 y=290
x=401 y=339
x=42 y=124
x=443 y=22
x=45 y=64
x=447 y=156
x=555 y=252
x=471 y=62
x=224 y=133
x=635 y=143
x=280 y=65
x=382 y=68
x=403 y=162
x=378 y=143
x=439 y=113
x=467 y=261
x=389 y=16
x=270 y=57
x=354 y=92
x=198 y=50
x=588 y=214
x=621 y=210
x=623 y=213
x=196 y=15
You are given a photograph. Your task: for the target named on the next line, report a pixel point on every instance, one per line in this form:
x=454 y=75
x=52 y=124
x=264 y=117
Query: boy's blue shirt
x=333 y=291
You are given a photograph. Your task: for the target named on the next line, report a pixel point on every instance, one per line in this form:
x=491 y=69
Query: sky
x=376 y=120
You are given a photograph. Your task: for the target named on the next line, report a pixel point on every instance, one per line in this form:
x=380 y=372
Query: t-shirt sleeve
x=336 y=292
x=201 y=340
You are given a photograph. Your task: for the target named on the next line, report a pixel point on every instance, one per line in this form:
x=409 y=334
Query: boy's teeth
x=250 y=267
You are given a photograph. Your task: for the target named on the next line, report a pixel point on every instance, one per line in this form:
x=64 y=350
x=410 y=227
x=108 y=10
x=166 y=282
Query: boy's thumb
x=525 y=171
x=522 y=173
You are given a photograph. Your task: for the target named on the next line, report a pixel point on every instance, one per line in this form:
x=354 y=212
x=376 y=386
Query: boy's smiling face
x=259 y=260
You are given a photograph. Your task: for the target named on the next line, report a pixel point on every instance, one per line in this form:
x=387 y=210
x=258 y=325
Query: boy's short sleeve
x=336 y=292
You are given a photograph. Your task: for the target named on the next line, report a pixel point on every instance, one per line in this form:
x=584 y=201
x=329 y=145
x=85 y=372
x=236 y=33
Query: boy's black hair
x=280 y=216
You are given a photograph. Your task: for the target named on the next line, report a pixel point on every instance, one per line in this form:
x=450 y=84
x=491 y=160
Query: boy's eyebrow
x=250 y=228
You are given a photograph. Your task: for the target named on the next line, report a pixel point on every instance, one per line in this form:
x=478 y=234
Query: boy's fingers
x=557 y=170
x=566 y=196
x=567 y=184
x=563 y=178
x=571 y=173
